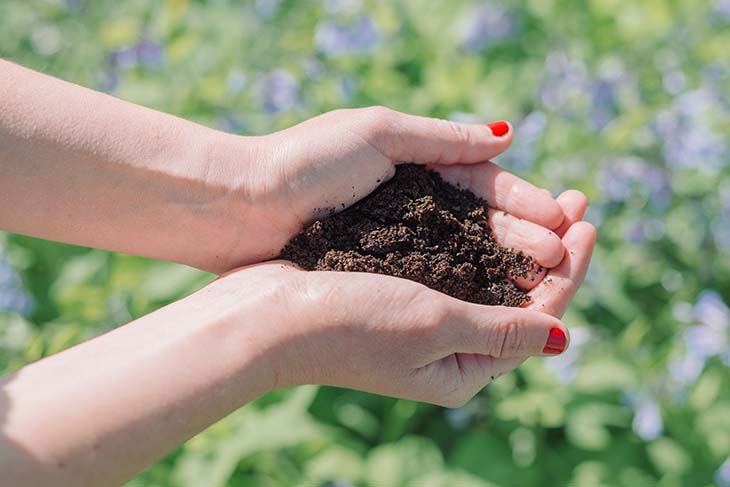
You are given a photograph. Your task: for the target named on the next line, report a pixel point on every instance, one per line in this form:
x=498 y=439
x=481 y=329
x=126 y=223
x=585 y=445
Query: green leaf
x=209 y=462
x=586 y=425
x=669 y=457
x=401 y=462
x=335 y=463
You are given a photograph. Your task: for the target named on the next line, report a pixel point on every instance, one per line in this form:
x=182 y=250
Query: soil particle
x=418 y=227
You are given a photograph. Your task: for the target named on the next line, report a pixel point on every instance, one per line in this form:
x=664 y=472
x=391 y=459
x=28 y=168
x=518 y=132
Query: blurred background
x=628 y=101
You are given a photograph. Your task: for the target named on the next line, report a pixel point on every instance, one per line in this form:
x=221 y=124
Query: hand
x=333 y=160
x=125 y=178
x=266 y=326
x=395 y=337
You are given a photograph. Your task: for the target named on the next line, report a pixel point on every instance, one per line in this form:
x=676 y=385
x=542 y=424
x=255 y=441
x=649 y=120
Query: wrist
x=220 y=211
x=262 y=314
x=278 y=313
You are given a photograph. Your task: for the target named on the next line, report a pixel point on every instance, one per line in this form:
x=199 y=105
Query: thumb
x=504 y=332
x=411 y=138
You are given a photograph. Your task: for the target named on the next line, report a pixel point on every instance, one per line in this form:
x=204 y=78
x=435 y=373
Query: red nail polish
x=499 y=128
x=555 y=342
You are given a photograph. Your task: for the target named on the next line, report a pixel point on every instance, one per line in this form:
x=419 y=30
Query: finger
x=574 y=205
x=554 y=293
x=463 y=375
x=410 y=138
x=532 y=279
x=538 y=242
x=503 y=332
x=505 y=191
x=478 y=369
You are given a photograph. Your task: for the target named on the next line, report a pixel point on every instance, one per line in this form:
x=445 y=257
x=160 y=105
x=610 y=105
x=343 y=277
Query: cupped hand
x=395 y=337
x=388 y=335
x=333 y=160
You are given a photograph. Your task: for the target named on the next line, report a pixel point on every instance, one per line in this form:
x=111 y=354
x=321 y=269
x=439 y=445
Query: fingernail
x=555 y=342
x=499 y=128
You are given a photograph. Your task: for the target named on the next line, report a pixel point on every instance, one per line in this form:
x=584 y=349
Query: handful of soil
x=418 y=227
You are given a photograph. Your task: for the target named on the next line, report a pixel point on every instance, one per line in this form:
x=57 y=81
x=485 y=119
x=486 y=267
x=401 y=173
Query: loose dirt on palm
x=418 y=227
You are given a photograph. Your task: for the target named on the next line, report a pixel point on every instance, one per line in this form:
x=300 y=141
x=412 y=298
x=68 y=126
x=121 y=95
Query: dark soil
x=418 y=227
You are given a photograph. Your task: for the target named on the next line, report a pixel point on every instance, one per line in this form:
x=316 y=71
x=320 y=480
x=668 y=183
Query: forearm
x=100 y=412
x=85 y=168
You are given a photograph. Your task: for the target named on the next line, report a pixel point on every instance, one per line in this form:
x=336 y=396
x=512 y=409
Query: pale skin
x=85 y=168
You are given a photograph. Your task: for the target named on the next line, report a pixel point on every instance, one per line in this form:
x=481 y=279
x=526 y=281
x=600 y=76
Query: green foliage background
x=628 y=101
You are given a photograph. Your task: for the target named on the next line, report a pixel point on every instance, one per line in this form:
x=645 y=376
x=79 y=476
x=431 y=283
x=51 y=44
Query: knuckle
x=459 y=133
x=510 y=338
x=554 y=250
x=439 y=311
x=378 y=115
x=380 y=111
x=379 y=125
x=338 y=112
x=431 y=314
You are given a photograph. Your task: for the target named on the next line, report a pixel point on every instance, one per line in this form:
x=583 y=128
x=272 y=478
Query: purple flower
x=635 y=232
x=333 y=38
x=720 y=229
x=236 y=81
x=625 y=176
x=73 y=5
x=348 y=87
x=603 y=95
x=122 y=58
x=714 y=74
x=565 y=83
x=710 y=338
x=675 y=82
x=641 y=230
x=569 y=88
x=647 y=422
x=229 y=123
x=688 y=367
x=613 y=84
x=711 y=310
x=683 y=312
x=595 y=215
x=340 y=7
x=705 y=341
x=722 y=475
x=700 y=146
x=13 y=296
x=144 y=53
x=109 y=80
x=489 y=23
x=721 y=9
x=149 y=53
x=279 y=91
x=313 y=68
x=267 y=9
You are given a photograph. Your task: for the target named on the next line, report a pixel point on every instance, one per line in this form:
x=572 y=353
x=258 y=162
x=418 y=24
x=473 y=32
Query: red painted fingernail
x=499 y=128
x=555 y=342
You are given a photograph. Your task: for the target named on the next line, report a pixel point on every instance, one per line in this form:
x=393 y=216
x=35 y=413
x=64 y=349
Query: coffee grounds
x=417 y=226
